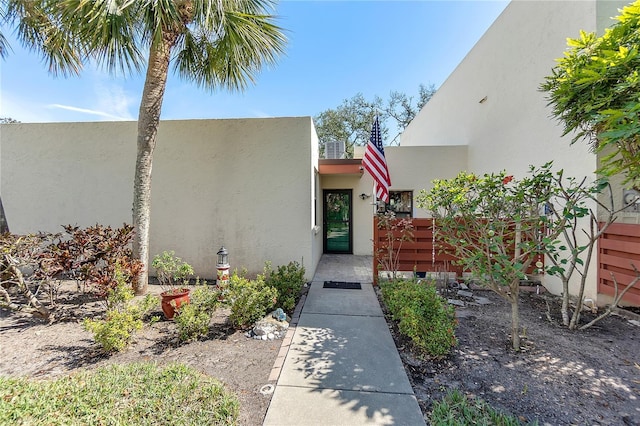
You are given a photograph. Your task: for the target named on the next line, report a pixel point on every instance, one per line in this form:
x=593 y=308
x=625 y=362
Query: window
x=400 y=202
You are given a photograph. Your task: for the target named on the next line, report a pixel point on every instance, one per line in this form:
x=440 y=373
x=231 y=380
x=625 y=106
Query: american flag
x=376 y=164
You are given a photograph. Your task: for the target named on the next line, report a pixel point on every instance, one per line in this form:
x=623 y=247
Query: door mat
x=342 y=284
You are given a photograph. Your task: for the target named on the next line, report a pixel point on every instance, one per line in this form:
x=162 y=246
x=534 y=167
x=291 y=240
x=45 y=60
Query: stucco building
x=257 y=186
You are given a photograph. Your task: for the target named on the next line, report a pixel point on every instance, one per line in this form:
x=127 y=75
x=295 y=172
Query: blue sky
x=336 y=49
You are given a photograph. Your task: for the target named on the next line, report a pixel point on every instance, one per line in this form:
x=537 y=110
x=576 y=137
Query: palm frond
x=229 y=53
x=39 y=28
x=107 y=31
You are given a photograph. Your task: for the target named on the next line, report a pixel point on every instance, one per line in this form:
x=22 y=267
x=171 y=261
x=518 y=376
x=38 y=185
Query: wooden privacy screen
x=418 y=255
x=618 y=248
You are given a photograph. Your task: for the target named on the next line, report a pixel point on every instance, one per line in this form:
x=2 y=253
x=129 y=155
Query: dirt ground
x=33 y=349
x=560 y=378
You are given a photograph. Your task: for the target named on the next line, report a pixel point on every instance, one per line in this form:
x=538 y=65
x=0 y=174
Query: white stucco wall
x=492 y=102
x=414 y=168
x=315 y=213
x=411 y=169
x=246 y=184
x=511 y=128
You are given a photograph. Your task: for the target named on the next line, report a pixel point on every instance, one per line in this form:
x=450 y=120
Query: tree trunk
x=4 y=226
x=515 y=319
x=565 y=301
x=38 y=309
x=148 y=121
x=515 y=291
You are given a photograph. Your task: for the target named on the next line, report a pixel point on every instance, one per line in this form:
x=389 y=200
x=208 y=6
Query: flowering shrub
x=494 y=225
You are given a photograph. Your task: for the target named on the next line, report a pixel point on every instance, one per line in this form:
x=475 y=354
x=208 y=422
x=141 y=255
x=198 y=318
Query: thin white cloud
x=260 y=114
x=112 y=99
x=90 y=112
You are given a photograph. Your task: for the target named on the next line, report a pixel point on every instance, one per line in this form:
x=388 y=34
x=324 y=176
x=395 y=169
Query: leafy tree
x=400 y=106
x=580 y=227
x=8 y=120
x=492 y=224
x=350 y=123
x=595 y=92
x=213 y=43
x=498 y=226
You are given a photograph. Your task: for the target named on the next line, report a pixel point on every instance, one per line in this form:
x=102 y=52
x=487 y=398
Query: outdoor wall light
x=223 y=266
x=364 y=196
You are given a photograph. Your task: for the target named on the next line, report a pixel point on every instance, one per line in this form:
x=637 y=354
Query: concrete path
x=341 y=366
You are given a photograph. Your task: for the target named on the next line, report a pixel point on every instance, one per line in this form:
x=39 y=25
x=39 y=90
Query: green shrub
x=288 y=281
x=422 y=315
x=194 y=318
x=455 y=409
x=171 y=271
x=250 y=299
x=131 y=394
x=123 y=317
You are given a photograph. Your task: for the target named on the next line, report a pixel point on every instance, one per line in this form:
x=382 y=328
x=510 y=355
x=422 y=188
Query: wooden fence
x=423 y=254
x=618 y=249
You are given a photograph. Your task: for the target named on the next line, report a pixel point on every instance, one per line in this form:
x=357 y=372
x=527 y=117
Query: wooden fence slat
x=632 y=296
x=622 y=246
x=620 y=262
x=618 y=247
x=622 y=278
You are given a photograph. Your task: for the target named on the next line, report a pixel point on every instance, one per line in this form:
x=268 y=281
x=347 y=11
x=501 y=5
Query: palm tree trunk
x=4 y=227
x=148 y=121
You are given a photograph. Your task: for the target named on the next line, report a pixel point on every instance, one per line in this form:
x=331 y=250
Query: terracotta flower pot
x=173 y=299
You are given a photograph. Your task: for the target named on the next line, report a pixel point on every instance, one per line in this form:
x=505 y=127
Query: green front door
x=338 y=232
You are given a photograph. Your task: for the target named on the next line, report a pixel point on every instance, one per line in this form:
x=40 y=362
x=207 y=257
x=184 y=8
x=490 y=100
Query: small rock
x=270 y=325
x=464 y=293
x=462 y=313
x=270 y=336
x=260 y=330
x=482 y=300
x=279 y=315
x=455 y=302
x=263 y=337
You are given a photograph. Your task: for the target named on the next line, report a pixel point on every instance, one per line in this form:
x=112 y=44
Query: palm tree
x=213 y=43
x=38 y=30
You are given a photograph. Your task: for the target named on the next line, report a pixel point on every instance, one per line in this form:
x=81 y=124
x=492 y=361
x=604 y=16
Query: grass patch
x=132 y=394
x=455 y=409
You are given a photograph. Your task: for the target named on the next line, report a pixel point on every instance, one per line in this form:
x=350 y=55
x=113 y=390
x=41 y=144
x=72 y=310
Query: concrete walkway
x=341 y=366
